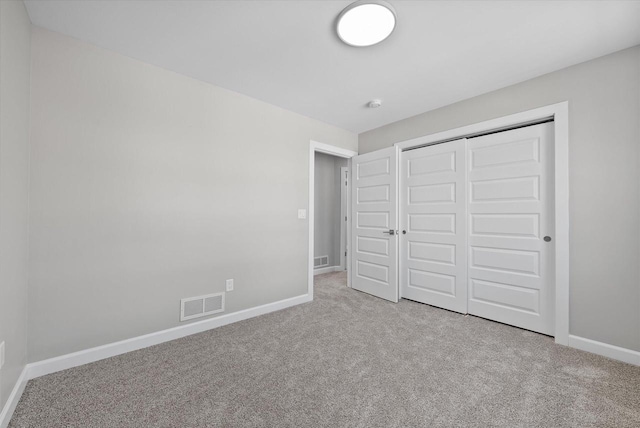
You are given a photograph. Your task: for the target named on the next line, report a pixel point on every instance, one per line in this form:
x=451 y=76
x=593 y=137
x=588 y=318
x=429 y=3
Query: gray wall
x=148 y=186
x=327 y=207
x=604 y=146
x=15 y=64
x=338 y=163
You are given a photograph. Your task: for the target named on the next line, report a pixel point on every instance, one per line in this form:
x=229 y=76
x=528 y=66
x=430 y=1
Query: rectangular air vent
x=201 y=306
x=321 y=261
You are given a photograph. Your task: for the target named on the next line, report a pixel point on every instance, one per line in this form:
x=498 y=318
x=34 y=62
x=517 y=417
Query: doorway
x=329 y=226
x=329 y=219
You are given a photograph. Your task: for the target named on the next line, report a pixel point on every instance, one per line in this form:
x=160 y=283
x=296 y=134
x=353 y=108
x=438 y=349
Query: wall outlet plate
x=229 y=284
x=1 y=354
x=302 y=213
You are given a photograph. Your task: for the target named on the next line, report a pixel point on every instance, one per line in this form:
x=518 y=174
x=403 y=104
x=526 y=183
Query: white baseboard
x=604 y=349
x=327 y=269
x=63 y=362
x=13 y=399
x=79 y=358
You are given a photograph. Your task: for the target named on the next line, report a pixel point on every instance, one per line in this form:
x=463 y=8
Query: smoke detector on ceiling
x=374 y=103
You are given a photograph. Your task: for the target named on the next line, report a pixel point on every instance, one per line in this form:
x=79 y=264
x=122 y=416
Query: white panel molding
x=327 y=269
x=14 y=397
x=560 y=114
x=604 y=349
x=314 y=147
x=86 y=356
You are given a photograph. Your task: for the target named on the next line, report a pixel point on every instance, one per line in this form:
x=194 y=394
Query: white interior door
x=510 y=214
x=374 y=223
x=433 y=261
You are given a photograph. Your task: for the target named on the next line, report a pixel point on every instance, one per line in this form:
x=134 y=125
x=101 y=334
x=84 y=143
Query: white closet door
x=433 y=261
x=374 y=223
x=510 y=213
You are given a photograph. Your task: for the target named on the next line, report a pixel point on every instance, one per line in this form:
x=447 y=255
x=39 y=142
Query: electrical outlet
x=1 y=354
x=302 y=213
x=229 y=284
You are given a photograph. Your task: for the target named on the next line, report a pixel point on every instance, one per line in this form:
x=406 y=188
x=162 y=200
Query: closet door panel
x=510 y=205
x=432 y=210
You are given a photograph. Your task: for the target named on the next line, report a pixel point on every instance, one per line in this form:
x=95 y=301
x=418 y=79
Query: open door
x=374 y=207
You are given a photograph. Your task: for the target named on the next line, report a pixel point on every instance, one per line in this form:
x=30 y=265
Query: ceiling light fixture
x=366 y=22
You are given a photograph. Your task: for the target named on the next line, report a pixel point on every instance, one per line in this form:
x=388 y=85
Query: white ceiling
x=287 y=53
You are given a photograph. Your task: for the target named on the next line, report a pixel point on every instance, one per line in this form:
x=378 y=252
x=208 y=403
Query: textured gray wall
x=148 y=186
x=327 y=207
x=15 y=64
x=604 y=162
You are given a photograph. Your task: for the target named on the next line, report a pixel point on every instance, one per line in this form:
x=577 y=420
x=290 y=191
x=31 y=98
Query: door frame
x=316 y=147
x=344 y=209
x=560 y=114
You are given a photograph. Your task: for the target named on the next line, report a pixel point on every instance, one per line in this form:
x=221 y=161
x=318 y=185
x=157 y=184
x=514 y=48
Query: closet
x=465 y=225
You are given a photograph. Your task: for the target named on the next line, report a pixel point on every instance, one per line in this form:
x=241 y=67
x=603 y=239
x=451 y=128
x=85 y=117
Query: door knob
x=404 y=232
x=390 y=232
x=547 y=239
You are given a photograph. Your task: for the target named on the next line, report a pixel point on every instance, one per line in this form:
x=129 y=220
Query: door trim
x=560 y=114
x=344 y=210
x=316 y=147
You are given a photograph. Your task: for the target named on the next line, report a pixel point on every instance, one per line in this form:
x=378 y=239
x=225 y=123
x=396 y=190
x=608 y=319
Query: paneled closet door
x=511 y=228
x=433 y=261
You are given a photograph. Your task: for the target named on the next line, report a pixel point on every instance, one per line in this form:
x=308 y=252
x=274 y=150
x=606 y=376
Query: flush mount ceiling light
x=366 y=22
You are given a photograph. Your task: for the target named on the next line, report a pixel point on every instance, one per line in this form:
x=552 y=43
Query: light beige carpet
x=345 y=360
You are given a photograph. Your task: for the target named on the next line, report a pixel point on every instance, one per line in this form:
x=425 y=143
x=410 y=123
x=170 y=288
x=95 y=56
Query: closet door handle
x=390 y=232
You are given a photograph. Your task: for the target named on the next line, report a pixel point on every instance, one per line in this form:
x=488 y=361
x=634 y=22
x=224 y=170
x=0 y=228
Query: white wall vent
x=321 y=261
x=201 y=306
